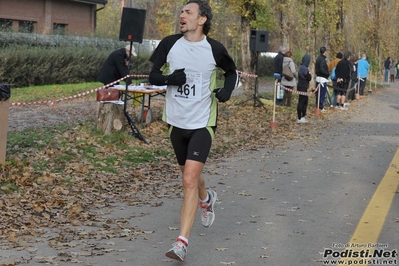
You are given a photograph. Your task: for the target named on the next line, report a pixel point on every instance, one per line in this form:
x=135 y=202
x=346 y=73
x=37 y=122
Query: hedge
x=32 y=59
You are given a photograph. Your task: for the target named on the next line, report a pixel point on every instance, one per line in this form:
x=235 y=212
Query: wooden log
x=110 y=117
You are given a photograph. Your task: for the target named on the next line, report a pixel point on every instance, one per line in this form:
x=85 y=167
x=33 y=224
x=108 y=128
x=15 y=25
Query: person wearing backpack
x=331 y=68
x=286 y=81
x=363 y=67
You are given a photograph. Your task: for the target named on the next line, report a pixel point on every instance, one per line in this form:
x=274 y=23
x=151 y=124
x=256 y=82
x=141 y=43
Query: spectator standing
x=343 y=72
x=322 y=75
x=304 y=78
x=331 y=66
x=397 y=70
x=363 y=67
x=392 y=71
x=387 y=63
x=191 y=115
x=353 y=86
x=278 y=69
x=116 y=66
x=290 y=84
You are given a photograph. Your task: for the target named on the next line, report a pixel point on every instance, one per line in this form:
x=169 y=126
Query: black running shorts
x=343 y=88
x=191 y=144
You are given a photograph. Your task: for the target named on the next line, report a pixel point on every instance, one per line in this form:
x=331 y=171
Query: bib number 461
x=186 y=90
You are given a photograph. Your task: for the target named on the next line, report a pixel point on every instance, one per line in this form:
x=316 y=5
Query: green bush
x=23 y=65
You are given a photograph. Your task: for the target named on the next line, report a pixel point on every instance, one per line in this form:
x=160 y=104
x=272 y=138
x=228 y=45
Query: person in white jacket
x=290 y=84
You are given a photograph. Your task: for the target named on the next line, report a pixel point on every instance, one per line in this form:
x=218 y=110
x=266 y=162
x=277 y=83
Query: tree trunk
x=110 y=117
x=249 y=58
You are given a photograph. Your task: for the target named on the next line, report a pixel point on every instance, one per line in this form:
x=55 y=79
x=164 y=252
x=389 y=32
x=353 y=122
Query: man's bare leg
x=193 y=187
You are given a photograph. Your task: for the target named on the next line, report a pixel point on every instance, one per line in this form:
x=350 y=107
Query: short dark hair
x=339 y=55
x=347 y=54
x=323 y=49
x=205 y=10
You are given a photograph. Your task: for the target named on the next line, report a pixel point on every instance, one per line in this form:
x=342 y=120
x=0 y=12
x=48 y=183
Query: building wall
x=79 y=17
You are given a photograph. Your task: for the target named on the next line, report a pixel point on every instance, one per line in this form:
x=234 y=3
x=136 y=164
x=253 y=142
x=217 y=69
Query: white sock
x=184 y=240
x=206 y=200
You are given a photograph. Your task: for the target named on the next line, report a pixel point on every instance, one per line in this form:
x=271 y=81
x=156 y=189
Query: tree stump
x=110 y=117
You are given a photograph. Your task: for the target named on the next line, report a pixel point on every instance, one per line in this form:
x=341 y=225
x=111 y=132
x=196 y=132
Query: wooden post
x=4 y=110
x=110 y=117
x=273 y=123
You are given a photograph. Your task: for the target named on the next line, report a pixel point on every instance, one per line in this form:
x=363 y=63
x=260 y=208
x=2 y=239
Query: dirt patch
x=36 y=116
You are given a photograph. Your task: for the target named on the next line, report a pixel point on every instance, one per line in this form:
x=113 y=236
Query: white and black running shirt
x=193 y=105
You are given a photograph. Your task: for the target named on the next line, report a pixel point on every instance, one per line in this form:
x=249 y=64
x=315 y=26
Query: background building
x=50 y=16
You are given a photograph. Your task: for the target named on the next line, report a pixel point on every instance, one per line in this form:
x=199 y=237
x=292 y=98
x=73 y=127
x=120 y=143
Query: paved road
x=280 y=206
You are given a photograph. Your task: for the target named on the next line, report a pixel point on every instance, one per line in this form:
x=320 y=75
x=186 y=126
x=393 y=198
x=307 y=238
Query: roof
x=103 y=2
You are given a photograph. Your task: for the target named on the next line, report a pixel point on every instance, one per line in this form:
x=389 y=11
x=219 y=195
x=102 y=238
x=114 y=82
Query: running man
x=191 y=108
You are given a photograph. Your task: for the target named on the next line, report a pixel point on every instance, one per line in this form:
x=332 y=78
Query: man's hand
x=222 y=94
x=178 y=77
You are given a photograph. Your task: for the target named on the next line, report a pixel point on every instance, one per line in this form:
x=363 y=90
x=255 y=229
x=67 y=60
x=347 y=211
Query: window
x=5 y=24
x=60 y=29
x=26 y=26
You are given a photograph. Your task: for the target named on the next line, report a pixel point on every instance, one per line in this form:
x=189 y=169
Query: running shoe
x=208 y=213
x=303 y=120
x=178 y=251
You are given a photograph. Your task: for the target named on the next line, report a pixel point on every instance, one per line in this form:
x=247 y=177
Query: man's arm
x=178 y=77
x=156 y=77
x=324 y=69
x=123 y=70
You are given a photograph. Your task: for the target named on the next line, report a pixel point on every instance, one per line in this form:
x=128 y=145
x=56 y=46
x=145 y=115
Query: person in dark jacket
x=343 y=72
x=386 y=67
x=278 y=68
x=304 y=77
x=116 y=66
x=331 y=67
x=354 y=85
x=322 y=75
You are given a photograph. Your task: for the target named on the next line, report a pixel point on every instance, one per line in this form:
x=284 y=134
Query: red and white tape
x=52 y=102
x=300 y=92
x=243 y=74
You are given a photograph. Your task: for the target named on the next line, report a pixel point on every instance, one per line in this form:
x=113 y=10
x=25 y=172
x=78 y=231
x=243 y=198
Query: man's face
x=190 y=18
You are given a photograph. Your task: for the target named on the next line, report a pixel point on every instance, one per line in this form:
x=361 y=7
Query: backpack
x=287 y=73
x=332 y=75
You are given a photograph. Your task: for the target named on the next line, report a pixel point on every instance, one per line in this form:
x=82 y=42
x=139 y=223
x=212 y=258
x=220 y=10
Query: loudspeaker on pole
x=132 y=25
x=258 y=41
